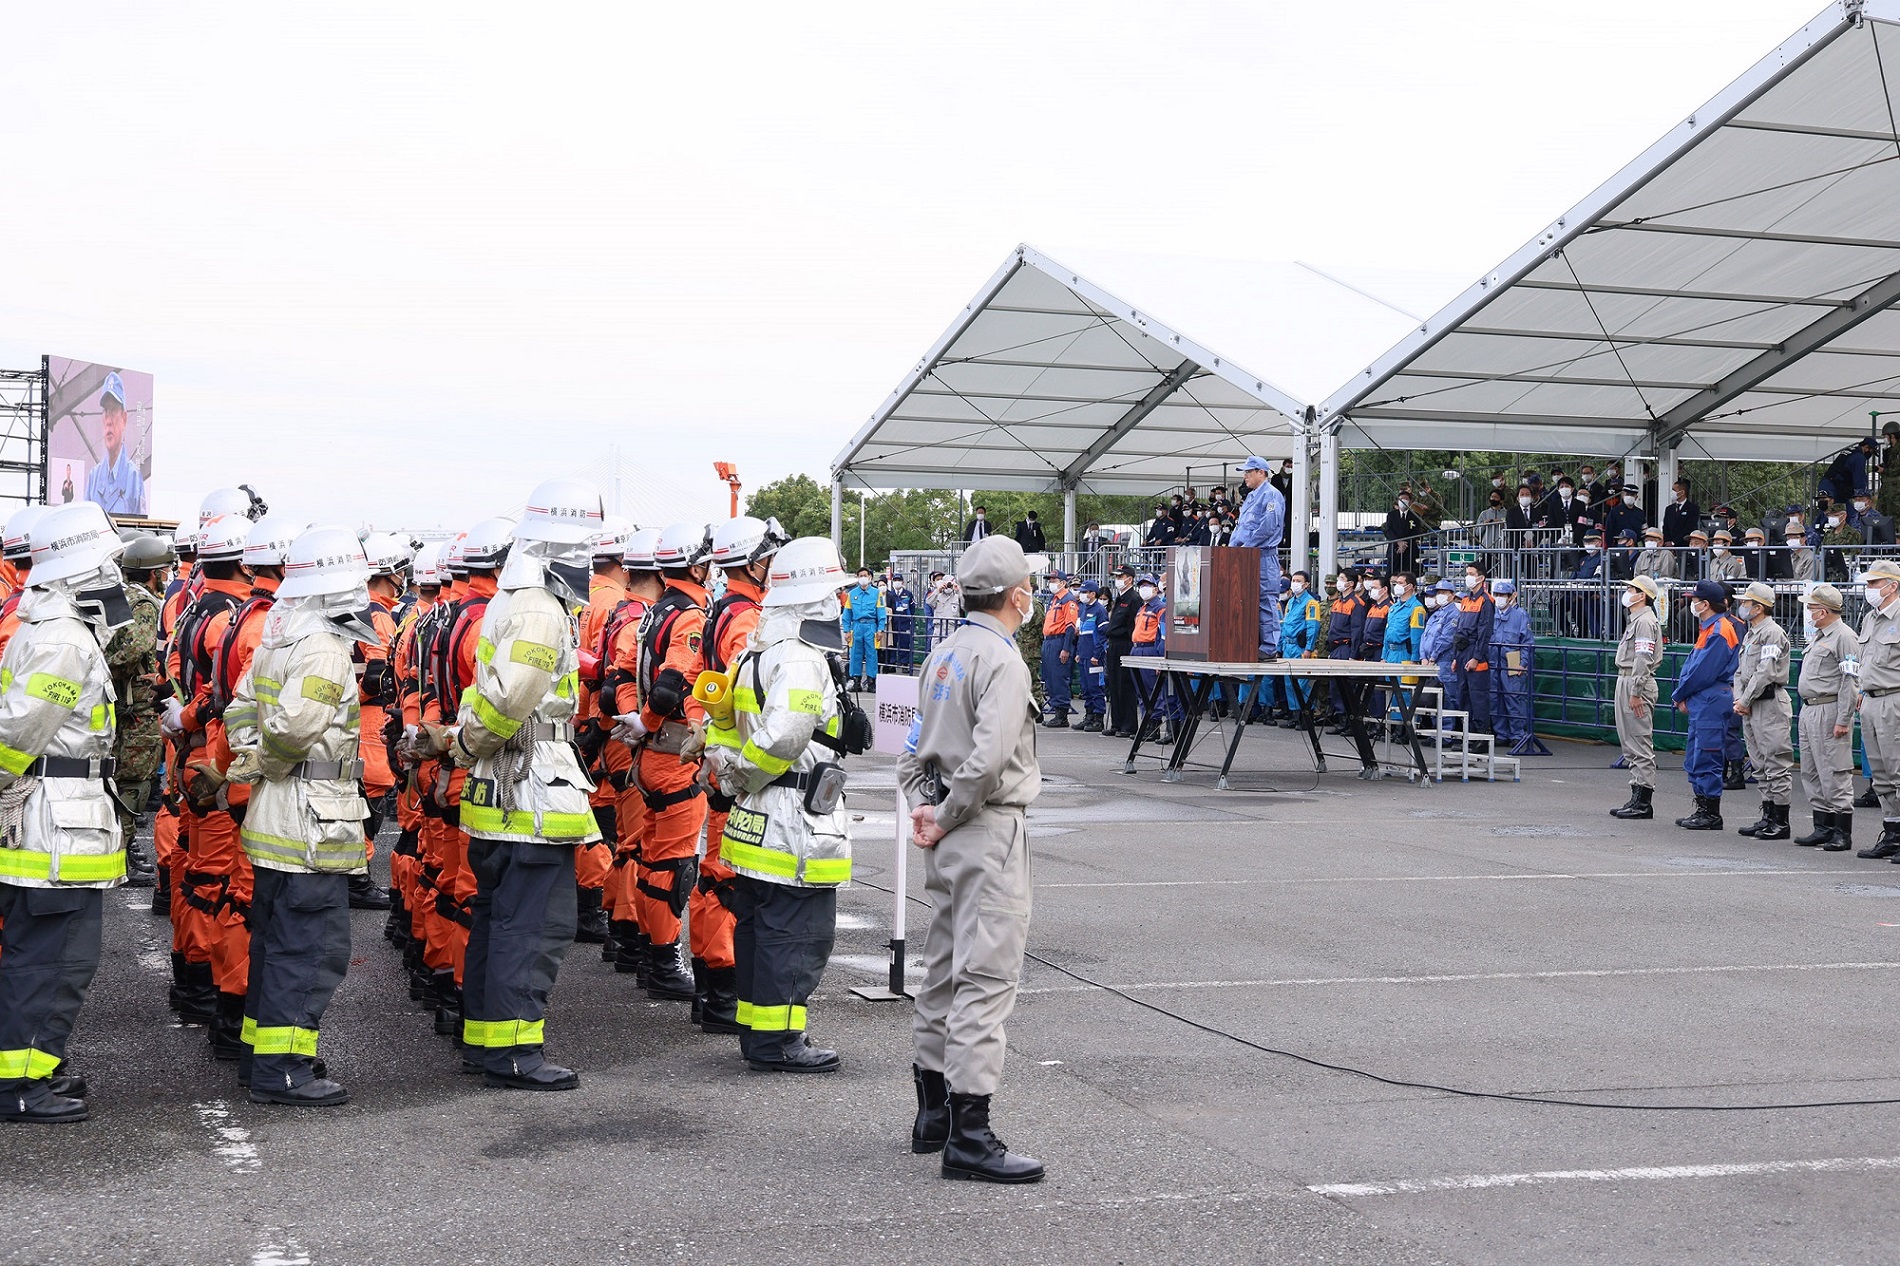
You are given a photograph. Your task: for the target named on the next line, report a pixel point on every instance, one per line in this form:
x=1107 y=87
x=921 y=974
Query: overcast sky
x=394 y=263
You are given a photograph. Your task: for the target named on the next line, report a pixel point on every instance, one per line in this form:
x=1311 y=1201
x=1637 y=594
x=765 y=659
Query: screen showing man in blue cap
x=1262 y=520
x=115 y=484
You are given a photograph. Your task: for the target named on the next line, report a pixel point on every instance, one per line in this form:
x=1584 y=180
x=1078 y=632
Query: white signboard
x=896 y=707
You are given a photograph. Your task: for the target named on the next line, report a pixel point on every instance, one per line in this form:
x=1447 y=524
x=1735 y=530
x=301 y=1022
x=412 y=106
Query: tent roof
x=1122 y=373
x=1727 y=293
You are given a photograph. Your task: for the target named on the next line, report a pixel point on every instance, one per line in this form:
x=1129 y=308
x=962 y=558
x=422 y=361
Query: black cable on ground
x=1544 y=1100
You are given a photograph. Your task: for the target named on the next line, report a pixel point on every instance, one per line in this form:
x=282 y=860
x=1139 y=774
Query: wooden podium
x=1214 y=603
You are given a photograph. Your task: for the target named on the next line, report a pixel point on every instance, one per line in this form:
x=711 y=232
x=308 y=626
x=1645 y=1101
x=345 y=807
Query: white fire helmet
x=269 y=540
x=561 y=512
x=72 y=541
x=19 y=531
x=612 y=540
x=806 y=570
x=485 y=546
x=454 y=558
x=638 y=555
x=388 y=554
x=326 y=567
x=743 y=540
x=240 y=501
x=222 y=539
x=683 y=545
x=429 y=572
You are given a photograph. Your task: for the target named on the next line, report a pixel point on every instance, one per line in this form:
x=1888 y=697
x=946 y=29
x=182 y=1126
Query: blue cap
x=1255 y=463
x=1445 y=586
x=1145 y=580
x=1711 y=591
x=1090 y=586
x=114 y=389
x=1504 y=586
x=1627 y=534
x=1058 y=575
x=1286 y=584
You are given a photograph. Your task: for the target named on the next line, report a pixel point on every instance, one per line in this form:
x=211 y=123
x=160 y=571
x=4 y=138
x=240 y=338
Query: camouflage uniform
x=131 y=655
x=1834 y=544
x=1888 y=499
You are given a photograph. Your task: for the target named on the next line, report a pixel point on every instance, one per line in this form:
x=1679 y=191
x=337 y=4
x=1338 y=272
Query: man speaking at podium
x=1262 y=519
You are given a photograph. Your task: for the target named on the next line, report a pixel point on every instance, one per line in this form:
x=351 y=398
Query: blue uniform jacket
x=1345 y=621
x=1262 y=519
x=1404 y=631
x=1065 y=640
x=1299 y=627
x=1711 y=665
x=902 y=604
x=1088 y=628
x=863 y=605
x=1471 y=635
x=1436 y=644
x=1511 y=631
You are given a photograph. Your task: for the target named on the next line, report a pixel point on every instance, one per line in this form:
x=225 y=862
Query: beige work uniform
x=1636 y=657
x=1826 y=686
x=1805 y=565
x=1657 y=562
x=1761 y=682
x=977 y=731
x=1880 y=705
x=1729 y=566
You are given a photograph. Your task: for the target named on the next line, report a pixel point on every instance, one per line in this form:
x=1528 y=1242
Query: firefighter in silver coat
x=59 y=828
x=787 y=836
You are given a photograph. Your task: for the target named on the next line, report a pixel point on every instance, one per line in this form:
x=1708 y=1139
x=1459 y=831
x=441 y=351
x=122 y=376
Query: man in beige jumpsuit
x=1880 y=700
x=1636 y=657
x=1761 y=700
x=971 y=772
x=1828 y=664
x=1656 y=559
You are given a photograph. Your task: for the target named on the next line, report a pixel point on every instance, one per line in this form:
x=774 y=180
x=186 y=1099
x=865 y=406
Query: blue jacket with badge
x=863 y=610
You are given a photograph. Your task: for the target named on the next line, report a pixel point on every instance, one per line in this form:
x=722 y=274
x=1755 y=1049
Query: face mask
x=1121 y=584
x=1629 y=597
x=1375 y=592
x=1589 y=477
x=1496 y=504
x=1838 y=519
x=1472 y=582
x=1299 y=586
x=864 y=582
x=1399 y=591
x=1497 y=483
x=1719 y=550
x=1524 y=502
x=1404 y=502
x=1343 y=584
x=1503 y=601
x=1029 y=607
x=1146 y=592
x=108 y=603
x=1593 y=549
x=1861 y=506
x=1566 y=494
x=1700 y=610
x=979 y=518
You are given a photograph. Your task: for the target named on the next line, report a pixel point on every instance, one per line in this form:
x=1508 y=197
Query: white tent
x=1053 y=379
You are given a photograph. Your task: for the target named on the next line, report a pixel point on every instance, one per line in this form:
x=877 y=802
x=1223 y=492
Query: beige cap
x=1699 y=534
x=1755 y=534
x=1652 y=534
x=1825 y=596
x=990 y=566
x=1759 y=593
x=1881 y=569
x=1723 y=534
x=1646 y=586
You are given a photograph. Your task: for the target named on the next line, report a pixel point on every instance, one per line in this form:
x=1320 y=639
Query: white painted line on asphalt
x=288 y=1253
x=1579 y=973
x=1632 y=1173
x=231 y=1142
x=1435 y=879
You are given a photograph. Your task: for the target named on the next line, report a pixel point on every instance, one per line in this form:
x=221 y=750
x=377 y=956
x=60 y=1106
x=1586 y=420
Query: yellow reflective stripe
x=20 y=863
x=745 y=1014
x=502 y=1034
x=265 y=689
x=553 y=826
x=99 y=714
x=827 y=870
x=717 y=736
x=763 y=759
x=13 y=760
x=745 y=699
x=273 y=846
x=27 y=1062
x=492 y=717
x=6 y=679
x=279 y=1039
x=568 y=686
x=769 y=861
x=55 y=690
x=831 y=727
x=787 y=1019
x=535 y=655
x=484 y=650
x=91 y=868
x=807 y=701
x=279 y=748
x=772 y=861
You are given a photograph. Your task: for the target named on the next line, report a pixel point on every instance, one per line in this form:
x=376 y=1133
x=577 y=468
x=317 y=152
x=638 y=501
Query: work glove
x=244 y=767
x=202 y=784
x=725 y=766
x=695 y=745
x=433 y=740
x=173 y=720
x=631 y=729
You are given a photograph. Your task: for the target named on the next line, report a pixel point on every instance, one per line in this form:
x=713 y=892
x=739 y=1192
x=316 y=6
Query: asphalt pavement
x=1501 y=938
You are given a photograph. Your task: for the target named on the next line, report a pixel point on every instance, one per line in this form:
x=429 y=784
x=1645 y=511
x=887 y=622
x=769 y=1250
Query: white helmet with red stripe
x=240 y=501
x=18 y=542
x=428 y=569
x=806 y=570
x=485 y=546
x=612 y=541
x=222 y=539
x=638 y=556
x=268 y=541
x=683 y=545
x=321 y=561
x=743 y=540
x=388 y=554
